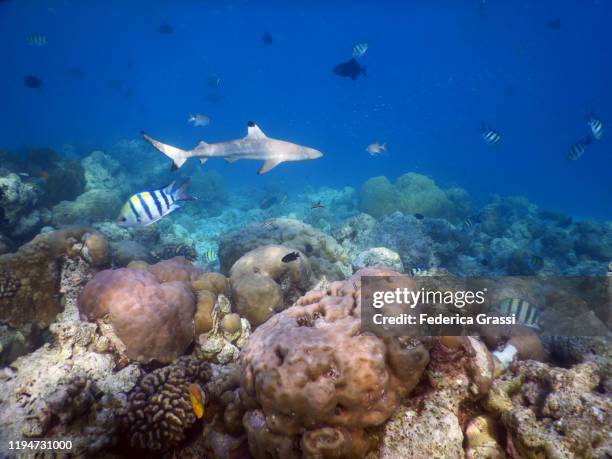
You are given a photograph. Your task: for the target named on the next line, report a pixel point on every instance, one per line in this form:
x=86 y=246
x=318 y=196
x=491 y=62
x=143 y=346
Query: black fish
x=290 y=257
x=484 y=262
x=555 y=24
x=419 y=216
x=268 y=202
x=317 y=205
x=77 y=73
x=115 y=84
x=351 y=69
x=165 y=29
x=31 y=81
x=267 y=38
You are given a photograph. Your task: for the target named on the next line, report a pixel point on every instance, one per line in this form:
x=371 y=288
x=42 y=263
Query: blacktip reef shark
x=256 y=145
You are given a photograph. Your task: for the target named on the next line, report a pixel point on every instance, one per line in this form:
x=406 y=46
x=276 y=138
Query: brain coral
x=309 y=368
x=326 y=256
x=153 y=319
x=159 y=412
x=30 y=277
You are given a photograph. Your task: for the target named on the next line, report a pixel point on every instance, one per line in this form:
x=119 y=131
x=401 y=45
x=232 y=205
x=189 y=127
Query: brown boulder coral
x=262 y=283
x=311 y=379
x=326 y=256
x=159 y=410
x=153 y=319
x=30 y=277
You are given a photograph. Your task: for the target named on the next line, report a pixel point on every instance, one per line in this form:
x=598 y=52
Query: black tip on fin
x=174 y=167
x=142 y=132
x=250 y=124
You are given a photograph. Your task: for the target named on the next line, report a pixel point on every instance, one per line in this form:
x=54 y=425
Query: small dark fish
x=165 y=29
x=351 y=69
x=578 y=149
x=77 y=73
x=510 y=90
x=317 y=205
x=214 y=97
x=33 y=82
x=115 y=84
x=214 y=80
x=490 y=136
x=535 y=262
x=268 y=202
x=128 y=94
x=267 y=38
x=290 y=257
x=555 y=24
x=419 y=216
x=484 y=262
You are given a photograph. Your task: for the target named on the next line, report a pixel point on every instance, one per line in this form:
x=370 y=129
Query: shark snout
x=314 y=154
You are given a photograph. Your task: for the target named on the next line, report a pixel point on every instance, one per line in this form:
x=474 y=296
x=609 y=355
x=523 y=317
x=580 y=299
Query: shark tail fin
x=177 y=155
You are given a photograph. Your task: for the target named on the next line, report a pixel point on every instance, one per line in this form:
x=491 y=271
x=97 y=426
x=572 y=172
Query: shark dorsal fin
x=254 y=132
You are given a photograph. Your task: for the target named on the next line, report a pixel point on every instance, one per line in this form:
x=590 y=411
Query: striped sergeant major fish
x=595 y=124
x=578 y=149
x=359 y=49
x=526 y=313
x=489 y=135
x=37 y=39
x=147 y=207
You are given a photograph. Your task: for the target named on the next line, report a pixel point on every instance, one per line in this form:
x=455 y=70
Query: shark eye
x=123 y=219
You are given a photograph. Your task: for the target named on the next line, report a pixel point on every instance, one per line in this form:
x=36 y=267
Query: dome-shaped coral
x=154 y=320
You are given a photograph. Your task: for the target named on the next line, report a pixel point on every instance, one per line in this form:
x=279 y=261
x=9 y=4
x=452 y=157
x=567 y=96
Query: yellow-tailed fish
x=198 y=399
x=147 y=207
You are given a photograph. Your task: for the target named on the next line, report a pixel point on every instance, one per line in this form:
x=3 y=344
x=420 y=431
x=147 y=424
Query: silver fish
x=198 y=119
x=256 y=145
x=595 y=124
x=491 y=136
x=360 y=49
x=376 y=148
x=578 y=149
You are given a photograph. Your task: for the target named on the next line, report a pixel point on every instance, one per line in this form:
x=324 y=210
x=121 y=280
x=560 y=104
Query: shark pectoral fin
x=269 y=164
x=231 y=160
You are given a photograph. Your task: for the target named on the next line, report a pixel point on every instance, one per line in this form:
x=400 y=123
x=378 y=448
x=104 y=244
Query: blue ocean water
x=436 y=72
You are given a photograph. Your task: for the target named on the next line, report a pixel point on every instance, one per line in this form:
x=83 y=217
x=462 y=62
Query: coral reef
x=553 y=412
x=326 y=256
x=261 y=283
x=150 y=311
x=69 y=388
x=159 y=411
x=412 y=193
x=30 y=277
x=18 y=198
x=378 y=256
x=228 y=332
x=310 y=376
